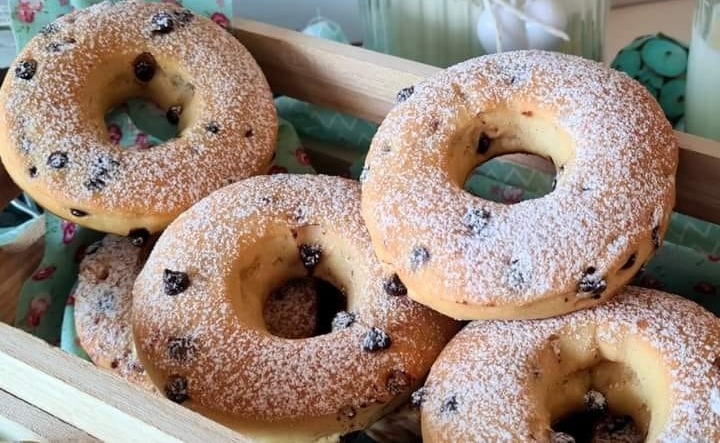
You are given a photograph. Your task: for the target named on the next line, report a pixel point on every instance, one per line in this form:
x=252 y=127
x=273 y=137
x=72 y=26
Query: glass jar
x=702 y=98
x=445 y=32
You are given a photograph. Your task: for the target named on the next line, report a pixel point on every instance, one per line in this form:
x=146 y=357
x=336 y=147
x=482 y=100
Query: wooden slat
x=15 y=267
x=365 y=83
x=99 y=403
x=21 y=421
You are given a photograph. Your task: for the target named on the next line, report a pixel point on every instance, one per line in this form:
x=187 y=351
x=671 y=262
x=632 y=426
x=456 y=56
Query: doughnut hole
x=501 y=132
x=168 y=87
x=303 y=308
x=275 y=262
x=625 y=372
x=544 y=183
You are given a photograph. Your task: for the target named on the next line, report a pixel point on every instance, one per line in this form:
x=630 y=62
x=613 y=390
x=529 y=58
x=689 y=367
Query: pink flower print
x=509 y=196
x=302 y=156
x=71 y=300
x=26 y=10
x=220 y=3
x=713 y=258
x=63 y=2
x=220 y=19
x=115 y=133
x=277 y=170
x=44 y=273
x=142 y=141
x=704 y=288
x=68 y=230
x=38 y=307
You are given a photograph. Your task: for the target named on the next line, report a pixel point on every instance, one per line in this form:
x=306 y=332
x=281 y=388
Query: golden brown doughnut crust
x=53 y=138
x=470 y=258
x=655 y=357
x=204 y=286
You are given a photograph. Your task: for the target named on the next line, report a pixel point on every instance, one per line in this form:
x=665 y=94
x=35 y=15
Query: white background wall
x=296 y=14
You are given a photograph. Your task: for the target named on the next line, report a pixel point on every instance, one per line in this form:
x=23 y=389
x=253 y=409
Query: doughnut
x=53 y=137
x=645 y=354
x=470 y=258
x=198 y=306
x=102 y=300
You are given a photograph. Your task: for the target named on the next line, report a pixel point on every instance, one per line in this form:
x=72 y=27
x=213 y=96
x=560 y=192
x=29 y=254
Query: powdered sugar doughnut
x=205 y=284
x=470 y=258
x=53 y=138
x=654 y=356
x=102 y=307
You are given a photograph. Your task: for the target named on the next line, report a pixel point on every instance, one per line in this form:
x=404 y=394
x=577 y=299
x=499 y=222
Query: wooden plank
x=97 y=402
x=21 y=421
x=365 y=83
x=15 y=267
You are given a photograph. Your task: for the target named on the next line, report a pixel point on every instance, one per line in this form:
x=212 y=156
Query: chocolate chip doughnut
x=53 y=138
x=470 y=258
x=652 y=356
x=103 y=300
x=206 y=281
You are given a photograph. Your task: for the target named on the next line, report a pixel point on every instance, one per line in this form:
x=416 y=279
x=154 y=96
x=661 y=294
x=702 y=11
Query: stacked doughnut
x=298 y=308
x=634 y=359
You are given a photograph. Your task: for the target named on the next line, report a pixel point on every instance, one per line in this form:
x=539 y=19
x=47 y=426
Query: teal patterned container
x=444 y=32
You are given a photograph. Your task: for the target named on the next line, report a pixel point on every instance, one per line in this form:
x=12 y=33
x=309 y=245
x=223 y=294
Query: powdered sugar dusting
x=615 y=189
x=241 y=369
x=102 y=307
x=62 y=109
x=490 y=365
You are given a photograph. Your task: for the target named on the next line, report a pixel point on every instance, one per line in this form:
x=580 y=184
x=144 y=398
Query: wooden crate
x=45 y=393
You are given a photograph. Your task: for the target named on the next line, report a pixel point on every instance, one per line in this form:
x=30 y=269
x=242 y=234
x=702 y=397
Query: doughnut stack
x=306 y=308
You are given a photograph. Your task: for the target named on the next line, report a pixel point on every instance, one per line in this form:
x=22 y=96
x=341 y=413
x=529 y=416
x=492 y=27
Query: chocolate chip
x=173 y=114
x=32 y=170
x=54 y=47
x=656 y=237
x=595 y=402
x=310 y=255
x=50 y=28
x=483 y=145
x=26 y=69
x=114 y=364
x=375 y=340
x=175 y=282
x=181 y=349
x=347 y=412
x=139 y=237
x=144 y=67
x=78 y=213
x=184 y=16
x=394 y=286
x=249 y=133
x=212 y=127
x=176 y=388
x=162 y=23
x=343 y=320
x=101 y=172
x=449 y=405
x=419 y=256
x=418 y=397
x=405 y=94
x=398 y=382
x=630 y=262
x=592 y=283
x=561 y=437
x=716 y=363
x=476 y=220
x=57 y=160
